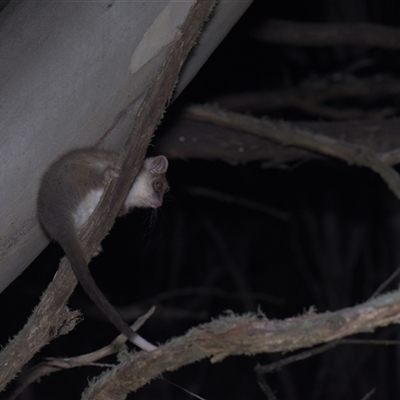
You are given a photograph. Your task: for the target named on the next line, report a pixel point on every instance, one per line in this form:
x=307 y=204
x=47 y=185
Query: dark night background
x=200 y=257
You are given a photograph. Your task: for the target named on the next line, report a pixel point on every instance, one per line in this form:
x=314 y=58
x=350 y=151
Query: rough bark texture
x=244 y=335
x=284 y=134
x=189 y=138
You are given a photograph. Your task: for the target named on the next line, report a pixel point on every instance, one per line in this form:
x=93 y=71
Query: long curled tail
x=73 y=250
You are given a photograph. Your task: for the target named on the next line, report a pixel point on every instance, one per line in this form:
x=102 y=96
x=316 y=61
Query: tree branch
x=59 y=364
x=318 y=35
x=287 y=135
x=189 y=138
x=244 y=335
x=311 y=96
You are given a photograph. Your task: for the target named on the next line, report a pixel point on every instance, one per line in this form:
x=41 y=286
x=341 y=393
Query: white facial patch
x=140 y=193
x=86 y=208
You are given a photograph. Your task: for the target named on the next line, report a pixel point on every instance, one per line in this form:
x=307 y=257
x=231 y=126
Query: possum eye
x=157 y=185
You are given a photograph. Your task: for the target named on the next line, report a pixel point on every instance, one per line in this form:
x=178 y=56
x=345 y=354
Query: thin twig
x=325 y=34
x=369 y=394
x=386 y=283
x=91 y=359
x=196 y=396
x=261 y=370
x=262 y=382
x=311 y=96
x=321 y=349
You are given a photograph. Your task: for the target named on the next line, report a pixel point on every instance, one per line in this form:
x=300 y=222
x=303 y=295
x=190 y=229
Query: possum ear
x=158 y=165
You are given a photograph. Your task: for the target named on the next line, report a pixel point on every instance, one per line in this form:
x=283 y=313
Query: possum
x=69 y=192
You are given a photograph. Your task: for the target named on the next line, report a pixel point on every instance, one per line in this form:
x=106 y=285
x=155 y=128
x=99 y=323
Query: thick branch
x=188 y=138
x=286 y=135
x=313 y=34
x=245 y=335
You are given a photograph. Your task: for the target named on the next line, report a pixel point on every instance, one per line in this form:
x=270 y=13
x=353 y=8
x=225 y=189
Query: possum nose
x=156 y=203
